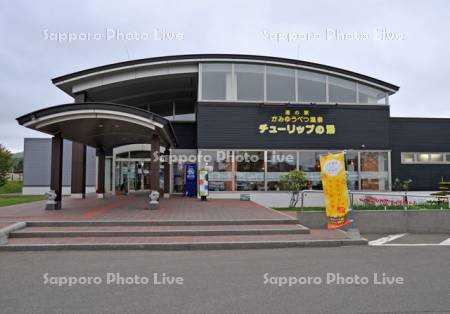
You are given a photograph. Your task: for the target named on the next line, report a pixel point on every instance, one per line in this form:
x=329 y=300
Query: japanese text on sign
x=298 y=122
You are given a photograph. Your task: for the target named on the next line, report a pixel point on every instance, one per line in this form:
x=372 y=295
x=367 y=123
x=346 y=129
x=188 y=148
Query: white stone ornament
x=51 y=196
x=154 y=197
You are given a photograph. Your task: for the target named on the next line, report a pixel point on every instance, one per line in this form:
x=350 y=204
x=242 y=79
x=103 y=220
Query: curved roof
x=196 y=58
x=98 y=124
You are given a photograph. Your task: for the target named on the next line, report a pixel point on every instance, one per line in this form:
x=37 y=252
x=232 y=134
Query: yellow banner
x=334 y=182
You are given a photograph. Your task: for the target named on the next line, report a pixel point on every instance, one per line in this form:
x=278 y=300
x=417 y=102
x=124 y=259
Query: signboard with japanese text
x=334 y=182
x=298 y=122
x=258 y=126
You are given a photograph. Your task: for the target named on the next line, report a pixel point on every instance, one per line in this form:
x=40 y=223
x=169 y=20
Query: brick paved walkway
x=276 y=228
x=133 y=207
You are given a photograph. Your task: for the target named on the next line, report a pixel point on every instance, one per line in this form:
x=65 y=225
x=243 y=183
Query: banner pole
x=349 y=192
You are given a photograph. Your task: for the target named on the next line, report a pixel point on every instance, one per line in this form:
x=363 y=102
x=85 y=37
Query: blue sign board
x=190 y=179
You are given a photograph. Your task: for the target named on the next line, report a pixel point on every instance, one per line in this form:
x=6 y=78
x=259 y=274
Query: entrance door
x=141 y=175
x=132 y=174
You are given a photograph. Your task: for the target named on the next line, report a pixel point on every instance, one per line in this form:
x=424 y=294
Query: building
x=265 y=115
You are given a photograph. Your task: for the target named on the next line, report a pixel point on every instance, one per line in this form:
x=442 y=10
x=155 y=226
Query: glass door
x=132 y=174
x=121 y=176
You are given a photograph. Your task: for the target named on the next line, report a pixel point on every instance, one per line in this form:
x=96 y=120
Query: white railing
x=389 y=199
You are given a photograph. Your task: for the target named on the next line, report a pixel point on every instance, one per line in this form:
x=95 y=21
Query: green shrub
x=294 y=182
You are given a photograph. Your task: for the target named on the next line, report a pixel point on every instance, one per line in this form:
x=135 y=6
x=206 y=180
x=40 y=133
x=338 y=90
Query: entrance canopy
x=101 y=125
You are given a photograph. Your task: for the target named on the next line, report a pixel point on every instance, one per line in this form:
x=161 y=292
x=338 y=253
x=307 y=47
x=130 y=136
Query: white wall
x=271 y=199
x=314 y=199
x=41 y=190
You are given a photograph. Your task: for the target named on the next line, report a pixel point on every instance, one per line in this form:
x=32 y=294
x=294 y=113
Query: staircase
x=170 y=235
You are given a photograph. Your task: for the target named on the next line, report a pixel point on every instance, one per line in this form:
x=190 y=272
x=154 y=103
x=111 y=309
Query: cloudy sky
x=402 y=42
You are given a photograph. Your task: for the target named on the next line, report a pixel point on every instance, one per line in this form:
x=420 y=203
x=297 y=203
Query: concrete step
x=161 y=228
x=162 y=222
x=317 y=238
x=170 y=235
x=155 y=231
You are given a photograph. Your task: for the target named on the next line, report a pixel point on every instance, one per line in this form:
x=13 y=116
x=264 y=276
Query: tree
x=6 y=163
x=400 y=185
x=294 y=182
x=18 y=166
x=443 y=187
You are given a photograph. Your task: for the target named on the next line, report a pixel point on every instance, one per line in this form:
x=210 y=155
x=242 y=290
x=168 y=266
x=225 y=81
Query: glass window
x=280 y=84
x=311 y=87
x=308 y=162
x=407 y=157
x=432 y=158
x=278 y=164
x=249 y=81
x=341 y=91
x=370 y=95
x=178 y=177
x=279 y=161
x=352 y=169
x=249 y=170
x=374 y=171
x=216 y=81
x=352 y=161
x=142 y=154
x=423 y=157
x=220 y=166
x=436 y=157
x=123 y=155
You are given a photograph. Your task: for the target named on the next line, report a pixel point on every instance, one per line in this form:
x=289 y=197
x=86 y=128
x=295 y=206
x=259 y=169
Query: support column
x=166 y=172
x=154 y=164
x=56 y=171
x=100 y=173
x=78 y=182
x=78 y=176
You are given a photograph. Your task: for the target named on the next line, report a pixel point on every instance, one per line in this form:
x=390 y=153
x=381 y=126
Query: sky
x=405 y=43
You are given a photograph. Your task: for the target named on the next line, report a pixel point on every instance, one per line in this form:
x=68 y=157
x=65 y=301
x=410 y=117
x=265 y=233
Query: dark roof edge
x=100 y=105
x=59 y=79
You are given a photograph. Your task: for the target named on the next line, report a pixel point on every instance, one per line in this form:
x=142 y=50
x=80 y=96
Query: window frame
x=328 y=74
x=297 y=152
x=445 y=158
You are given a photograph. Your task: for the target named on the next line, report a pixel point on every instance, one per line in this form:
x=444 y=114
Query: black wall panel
x=237 y=126
x=419 y=135
x=186 y=133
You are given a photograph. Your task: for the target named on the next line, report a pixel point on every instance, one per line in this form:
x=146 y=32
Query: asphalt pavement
x=370 y=279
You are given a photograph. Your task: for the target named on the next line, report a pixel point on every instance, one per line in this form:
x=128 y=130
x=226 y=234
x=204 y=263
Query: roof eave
x=59 y=81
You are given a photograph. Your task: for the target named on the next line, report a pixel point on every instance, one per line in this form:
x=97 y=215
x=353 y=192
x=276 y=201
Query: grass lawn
x=6 y=200
x=11 y=187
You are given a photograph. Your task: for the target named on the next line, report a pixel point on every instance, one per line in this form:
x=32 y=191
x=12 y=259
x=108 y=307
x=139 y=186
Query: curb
x=4 y=232
x=174 y=233
x=185 y=246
